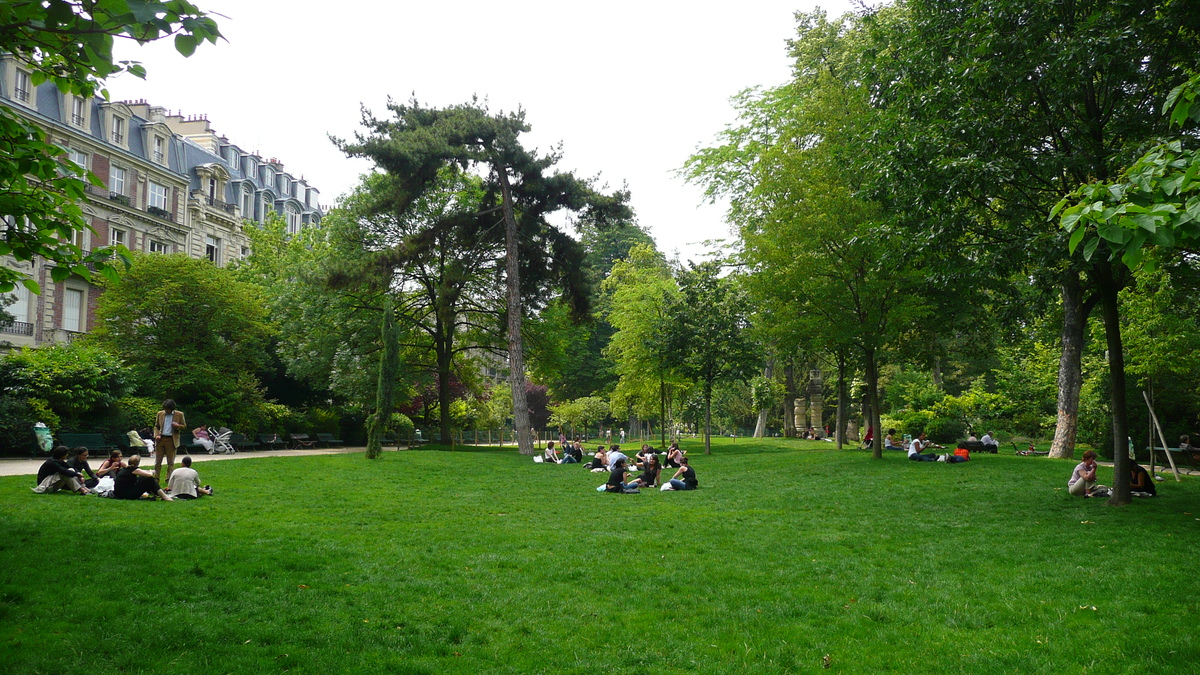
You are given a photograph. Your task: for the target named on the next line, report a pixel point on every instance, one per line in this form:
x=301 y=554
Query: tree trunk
x=760 y=426
x=662 y=408
x=443 y=363
x=840 y=431
x=1108 y=288
x=789 y=402
x=1070 y=372
x=389 y=364
x=707 y=418
x=873 y=399
x=516 y=355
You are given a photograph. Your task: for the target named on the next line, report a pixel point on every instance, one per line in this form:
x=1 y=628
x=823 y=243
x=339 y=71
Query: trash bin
x=45 y=441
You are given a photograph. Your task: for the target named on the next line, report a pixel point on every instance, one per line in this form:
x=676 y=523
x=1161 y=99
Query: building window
x=117 y=237
x=156 y=246
x=212 y=188
x=116 y=181
x=78 y=157
x=160 y=150
x=77 y=111
x=72 y=310
x=158 y=196
x=22 y=88
x=293 y=220
x=212 y=250
x=19 y=308
x=245 y=251
x=76 y=238
x=269 y=175
x=118 y=130
x=268 y=205
x=248 y=203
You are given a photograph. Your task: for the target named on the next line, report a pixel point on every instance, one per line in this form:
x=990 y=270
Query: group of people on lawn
x=127 y=479
x=616 y=464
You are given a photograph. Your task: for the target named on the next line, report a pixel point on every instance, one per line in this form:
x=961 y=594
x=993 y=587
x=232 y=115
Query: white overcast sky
x=631 y=89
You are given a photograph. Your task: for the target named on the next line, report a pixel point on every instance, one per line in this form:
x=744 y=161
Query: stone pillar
x=801 y=416
x=816 y=397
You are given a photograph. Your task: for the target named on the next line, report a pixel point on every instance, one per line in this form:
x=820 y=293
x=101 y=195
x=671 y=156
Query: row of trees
x=893 y=197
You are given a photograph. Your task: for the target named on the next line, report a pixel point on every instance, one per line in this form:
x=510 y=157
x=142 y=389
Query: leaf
x=1090 y=248
x=1057 y=207
x=185 y=44
x=1076 y=237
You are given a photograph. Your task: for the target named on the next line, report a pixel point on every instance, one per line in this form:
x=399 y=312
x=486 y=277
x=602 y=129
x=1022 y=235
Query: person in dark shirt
x=55 y=474
x=650 y=471
x=689 y=481
x=575 y=451
x=80 y=463
x=616 y=480
x=132 y=482
x=1140 y=480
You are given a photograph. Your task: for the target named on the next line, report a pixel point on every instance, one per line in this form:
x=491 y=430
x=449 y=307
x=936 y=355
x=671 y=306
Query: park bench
x=302 y=441
x=978 y=446
x=329 y=440
x=1188 y=456
x=93 y=442
x=242 y=443
x=128 y=450
x=271 y=441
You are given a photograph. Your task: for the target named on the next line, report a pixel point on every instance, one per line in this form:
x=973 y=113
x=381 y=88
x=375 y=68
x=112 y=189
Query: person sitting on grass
x=600 y=462
x=890 y=442
x=919 y=444
x=185 y=482
x=575 y=452
x=133 y=482
x=551 y=455
x=617 y=477
x=689 y=481
x=112 y=465
x=1083 y=479
x=615 y=455
x=645 y=454
x=650 y=471
x=1140 y=483
x=79 y=462
x=55 y=474
x=674 y=456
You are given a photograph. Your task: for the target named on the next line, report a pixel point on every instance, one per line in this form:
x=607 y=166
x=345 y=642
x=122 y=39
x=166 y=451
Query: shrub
x=944 y=429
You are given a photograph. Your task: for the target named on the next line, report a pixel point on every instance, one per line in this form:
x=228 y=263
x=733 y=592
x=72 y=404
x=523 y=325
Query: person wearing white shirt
x=615 y=454
x=918 y=445
x=185 y=482
x=989 y=442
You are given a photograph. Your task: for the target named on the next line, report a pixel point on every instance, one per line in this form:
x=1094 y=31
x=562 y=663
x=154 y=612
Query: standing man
x=622 y=436
x=167 y=424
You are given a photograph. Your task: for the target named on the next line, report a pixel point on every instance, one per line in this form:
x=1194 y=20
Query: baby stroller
x=220 y=441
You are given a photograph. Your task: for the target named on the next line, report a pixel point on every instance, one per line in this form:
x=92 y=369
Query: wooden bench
x=93 y=442
x=242 y=443
x=302 y=441
x=329 y=440
x=271 y=441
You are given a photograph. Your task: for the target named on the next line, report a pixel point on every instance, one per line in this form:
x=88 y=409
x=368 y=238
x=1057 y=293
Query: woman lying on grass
x=132 y=482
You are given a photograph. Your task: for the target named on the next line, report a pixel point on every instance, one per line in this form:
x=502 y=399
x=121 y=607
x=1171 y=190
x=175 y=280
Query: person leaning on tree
x=167 y=424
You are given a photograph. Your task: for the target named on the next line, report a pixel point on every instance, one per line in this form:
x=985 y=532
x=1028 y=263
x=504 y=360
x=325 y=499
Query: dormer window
x=212 y=188
x=77 y=111
x=293 y=220
x=22 y=87
x=118 y=130
x=160 y=150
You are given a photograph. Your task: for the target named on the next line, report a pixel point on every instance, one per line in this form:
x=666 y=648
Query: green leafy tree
x=639 y=293
x=189 y=331
x=70 y=43
x=579 y=413
x=707 y=339
x=520 y=193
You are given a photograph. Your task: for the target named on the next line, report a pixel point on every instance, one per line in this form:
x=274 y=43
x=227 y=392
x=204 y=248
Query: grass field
x=483 y=562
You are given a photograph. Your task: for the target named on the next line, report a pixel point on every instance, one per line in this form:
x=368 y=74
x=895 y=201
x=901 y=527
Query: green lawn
x=482 y=561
